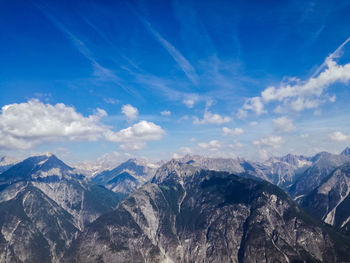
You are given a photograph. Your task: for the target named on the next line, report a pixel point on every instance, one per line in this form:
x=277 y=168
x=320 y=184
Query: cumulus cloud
x=135 y=136
x=190 y=100
x=339 y=136
x=269 y=141
x=253 y=123
x=283 y=124
x=234 y=132
x=299 y=95
x=211 y=146
x=26 y=125
x=130 y=112
x=211 y=118
x=251 y=104
x=165 y=113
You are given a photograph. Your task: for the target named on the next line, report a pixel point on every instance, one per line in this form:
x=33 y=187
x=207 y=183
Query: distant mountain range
x=193 y=209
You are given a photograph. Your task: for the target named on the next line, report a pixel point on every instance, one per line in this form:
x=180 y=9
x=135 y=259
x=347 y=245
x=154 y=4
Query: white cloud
x=182 y=152
x=269 y=141
x=165 y=113
x=339 y=136
x=236 y=145
x=25 y=125
x=130 y=112
x=184 y=118
x=283 y=124
x=211 y=146
x=211 y=118
x=190 y=100
x=253 y=123
x=314 y=86
x=242 y=114
x=234 y=132
x=132 y=146
x=252 y=104
x=299 y=95
x=135 y=136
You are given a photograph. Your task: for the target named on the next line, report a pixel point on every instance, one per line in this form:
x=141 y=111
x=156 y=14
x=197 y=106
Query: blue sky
x=158 y=79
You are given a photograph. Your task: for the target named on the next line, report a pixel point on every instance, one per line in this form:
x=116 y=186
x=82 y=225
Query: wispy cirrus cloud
x=103 y=73
x=179 y=58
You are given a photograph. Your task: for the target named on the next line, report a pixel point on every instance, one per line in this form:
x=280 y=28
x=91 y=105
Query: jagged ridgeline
x=191 y=215
x=44 y=204
x=194 y=209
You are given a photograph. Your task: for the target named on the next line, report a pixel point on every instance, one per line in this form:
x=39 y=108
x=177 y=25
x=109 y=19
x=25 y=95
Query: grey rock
x=191 y=215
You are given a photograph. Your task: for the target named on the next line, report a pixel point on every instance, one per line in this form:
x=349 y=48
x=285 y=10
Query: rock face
x=346 y=151
x=127 y=177
x=191 y=215
x=237 y=166
x=44 y=205
x=331 y=200
x=322 y=165
x=282 y=171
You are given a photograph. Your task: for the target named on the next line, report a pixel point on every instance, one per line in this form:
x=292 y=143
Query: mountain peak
x=346 y=151
x=174 y=168
x=34 y=167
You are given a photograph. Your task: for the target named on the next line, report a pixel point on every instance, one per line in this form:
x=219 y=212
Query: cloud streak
x=181 y=61
x=103 y=73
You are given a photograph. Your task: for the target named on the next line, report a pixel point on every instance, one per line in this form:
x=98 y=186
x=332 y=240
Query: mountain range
x=45 y=204
x=193 y=209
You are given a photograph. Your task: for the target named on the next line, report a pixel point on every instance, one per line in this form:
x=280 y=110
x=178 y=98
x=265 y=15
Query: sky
x=161 y=79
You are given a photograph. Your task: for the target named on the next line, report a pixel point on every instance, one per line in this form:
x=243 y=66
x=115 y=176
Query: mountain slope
x=6 y=162
x=126 y=177
x=282 y=171
x=322 y=165
x=80 y=198
x=45 y=204
x=191 y=215
x=346 y=151
x=331 y=200
x=33 y=227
